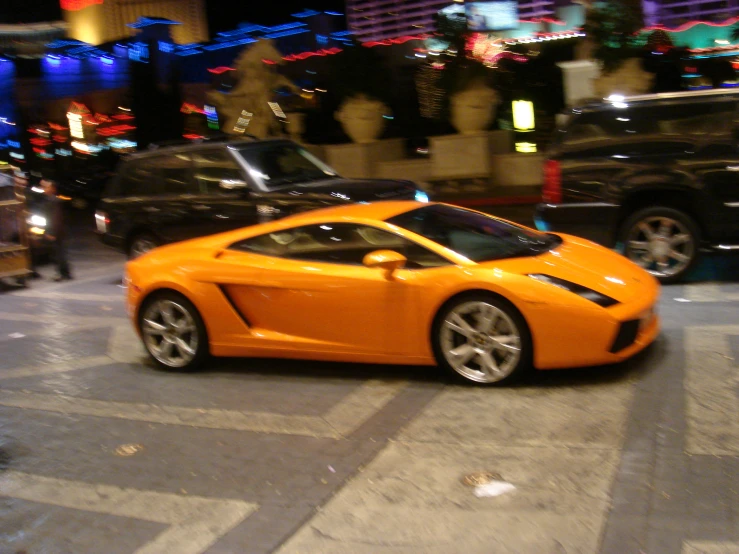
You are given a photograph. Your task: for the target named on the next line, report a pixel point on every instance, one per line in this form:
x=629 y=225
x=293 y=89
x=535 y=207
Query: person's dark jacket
x=55 y=218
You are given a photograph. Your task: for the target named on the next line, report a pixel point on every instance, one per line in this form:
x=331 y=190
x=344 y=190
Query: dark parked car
x=85 y=189
x=175 y=193
x=656 y=176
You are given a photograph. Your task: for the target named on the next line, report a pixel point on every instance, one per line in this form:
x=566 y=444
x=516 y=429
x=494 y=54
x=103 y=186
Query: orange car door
x=334 y=306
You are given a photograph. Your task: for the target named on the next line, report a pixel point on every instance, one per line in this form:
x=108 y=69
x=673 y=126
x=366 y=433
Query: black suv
x=656 y=176
x=176 y=193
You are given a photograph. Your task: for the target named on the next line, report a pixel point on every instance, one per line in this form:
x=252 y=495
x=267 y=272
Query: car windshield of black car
x=280 y=164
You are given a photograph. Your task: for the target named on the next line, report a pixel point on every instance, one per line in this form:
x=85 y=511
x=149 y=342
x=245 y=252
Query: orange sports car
x=398 y=283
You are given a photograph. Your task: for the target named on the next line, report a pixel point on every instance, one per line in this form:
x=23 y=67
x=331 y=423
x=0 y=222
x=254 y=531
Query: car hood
x=356 y=190
x=587 y=264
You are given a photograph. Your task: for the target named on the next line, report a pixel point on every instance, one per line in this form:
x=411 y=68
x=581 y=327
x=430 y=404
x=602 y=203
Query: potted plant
x=362 y=84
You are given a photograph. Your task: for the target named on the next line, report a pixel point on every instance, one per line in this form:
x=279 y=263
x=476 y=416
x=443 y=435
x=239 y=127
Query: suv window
x=339 y=243
x=175 y=173
x=649 y=129
x=139 y=179
x=213 y=165
x=277 y=164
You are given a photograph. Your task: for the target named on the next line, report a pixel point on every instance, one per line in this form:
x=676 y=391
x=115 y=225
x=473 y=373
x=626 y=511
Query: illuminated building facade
x=673 y=13
x=374 y=20
x=100 y=21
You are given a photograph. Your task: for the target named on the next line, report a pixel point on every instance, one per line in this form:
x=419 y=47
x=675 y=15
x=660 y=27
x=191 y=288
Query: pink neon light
x=221 y=69
x=77 y=5
x=305 y=55
x=391 y=41
x=691 y=24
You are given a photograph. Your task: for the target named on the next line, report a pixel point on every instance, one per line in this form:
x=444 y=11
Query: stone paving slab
x=410 y=499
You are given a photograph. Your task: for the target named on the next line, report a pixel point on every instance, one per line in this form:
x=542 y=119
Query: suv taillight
x=552 y=191
x=102 y=221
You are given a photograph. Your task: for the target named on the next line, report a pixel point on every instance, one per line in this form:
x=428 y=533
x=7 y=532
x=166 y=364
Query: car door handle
x=201 y=207
x=151 y=209
x=732 y=167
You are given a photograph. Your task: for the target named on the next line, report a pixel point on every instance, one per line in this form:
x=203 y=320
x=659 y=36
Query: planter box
x=466 y=155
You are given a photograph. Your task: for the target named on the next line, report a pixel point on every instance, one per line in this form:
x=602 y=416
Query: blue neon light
x=147 y=21
x=333 y=13
x=285 y=26
x=166 y=46
x=14 y=144
x=287 y=33
x=231 y=44
x=305 y=13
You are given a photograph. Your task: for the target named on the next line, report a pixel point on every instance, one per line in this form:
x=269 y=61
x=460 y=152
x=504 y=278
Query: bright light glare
x=37 y=220
x=523 y=115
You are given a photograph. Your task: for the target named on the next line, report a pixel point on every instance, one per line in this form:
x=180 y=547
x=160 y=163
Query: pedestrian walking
x=56 y=230
x=22 y=188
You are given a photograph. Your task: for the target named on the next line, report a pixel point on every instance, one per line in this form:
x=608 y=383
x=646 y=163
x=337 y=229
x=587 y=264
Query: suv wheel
x=141 y=244
x=662 y=240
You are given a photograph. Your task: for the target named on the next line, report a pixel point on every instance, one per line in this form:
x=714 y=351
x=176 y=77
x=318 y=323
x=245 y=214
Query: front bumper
x=595 y=221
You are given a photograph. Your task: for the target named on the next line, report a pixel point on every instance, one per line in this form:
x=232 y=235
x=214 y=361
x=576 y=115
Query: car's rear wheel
x=141 y=244
x=173 y=332
x=662 y=240
x=483 y=339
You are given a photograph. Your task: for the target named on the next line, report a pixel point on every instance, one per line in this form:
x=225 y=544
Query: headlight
x=37 y=221
x=421 y=196
x=588 y=294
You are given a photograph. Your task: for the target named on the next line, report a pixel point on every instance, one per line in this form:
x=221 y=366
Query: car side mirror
x=233 y=184
x=387 y=260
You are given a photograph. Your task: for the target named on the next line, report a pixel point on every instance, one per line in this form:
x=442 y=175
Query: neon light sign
x=77 y=5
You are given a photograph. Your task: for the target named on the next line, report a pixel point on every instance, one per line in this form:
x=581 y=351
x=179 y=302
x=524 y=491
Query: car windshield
x=278 y=164
x=475 y=236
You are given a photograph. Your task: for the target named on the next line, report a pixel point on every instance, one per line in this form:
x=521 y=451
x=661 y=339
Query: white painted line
x=709 y=292
x=195 y=522
x=711 y=382
x=710 y=547
x=259 y=422
x=62 y=367
x=361 y=404
x=125 y=346
x=114 y=296
x=341 y=420
x=69 y=321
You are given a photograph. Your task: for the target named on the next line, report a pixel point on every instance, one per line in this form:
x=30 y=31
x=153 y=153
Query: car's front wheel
x=482 y=339
x=173 y=332
x=662 y=240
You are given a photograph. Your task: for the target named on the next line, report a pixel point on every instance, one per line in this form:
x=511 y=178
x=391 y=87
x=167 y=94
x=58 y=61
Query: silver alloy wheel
x=661 y=245
x=170 y=333
x=480 y=342
x=141 y=246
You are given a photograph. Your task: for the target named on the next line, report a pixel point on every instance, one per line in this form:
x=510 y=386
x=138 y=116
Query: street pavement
x=100 y=452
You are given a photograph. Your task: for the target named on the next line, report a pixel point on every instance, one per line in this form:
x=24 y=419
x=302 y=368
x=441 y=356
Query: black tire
x=443 y=339
x=201 y=348
x=683 y=224
x=136 y=245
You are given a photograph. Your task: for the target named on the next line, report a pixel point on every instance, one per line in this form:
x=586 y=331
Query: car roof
x=682 y=97
x=379 y=211
x=236 y=143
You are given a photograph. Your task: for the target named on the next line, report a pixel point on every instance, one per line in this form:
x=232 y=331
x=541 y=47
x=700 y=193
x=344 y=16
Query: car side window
x=339 y=243
x=213 y=165
x=175 y=173
x=140 y=178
